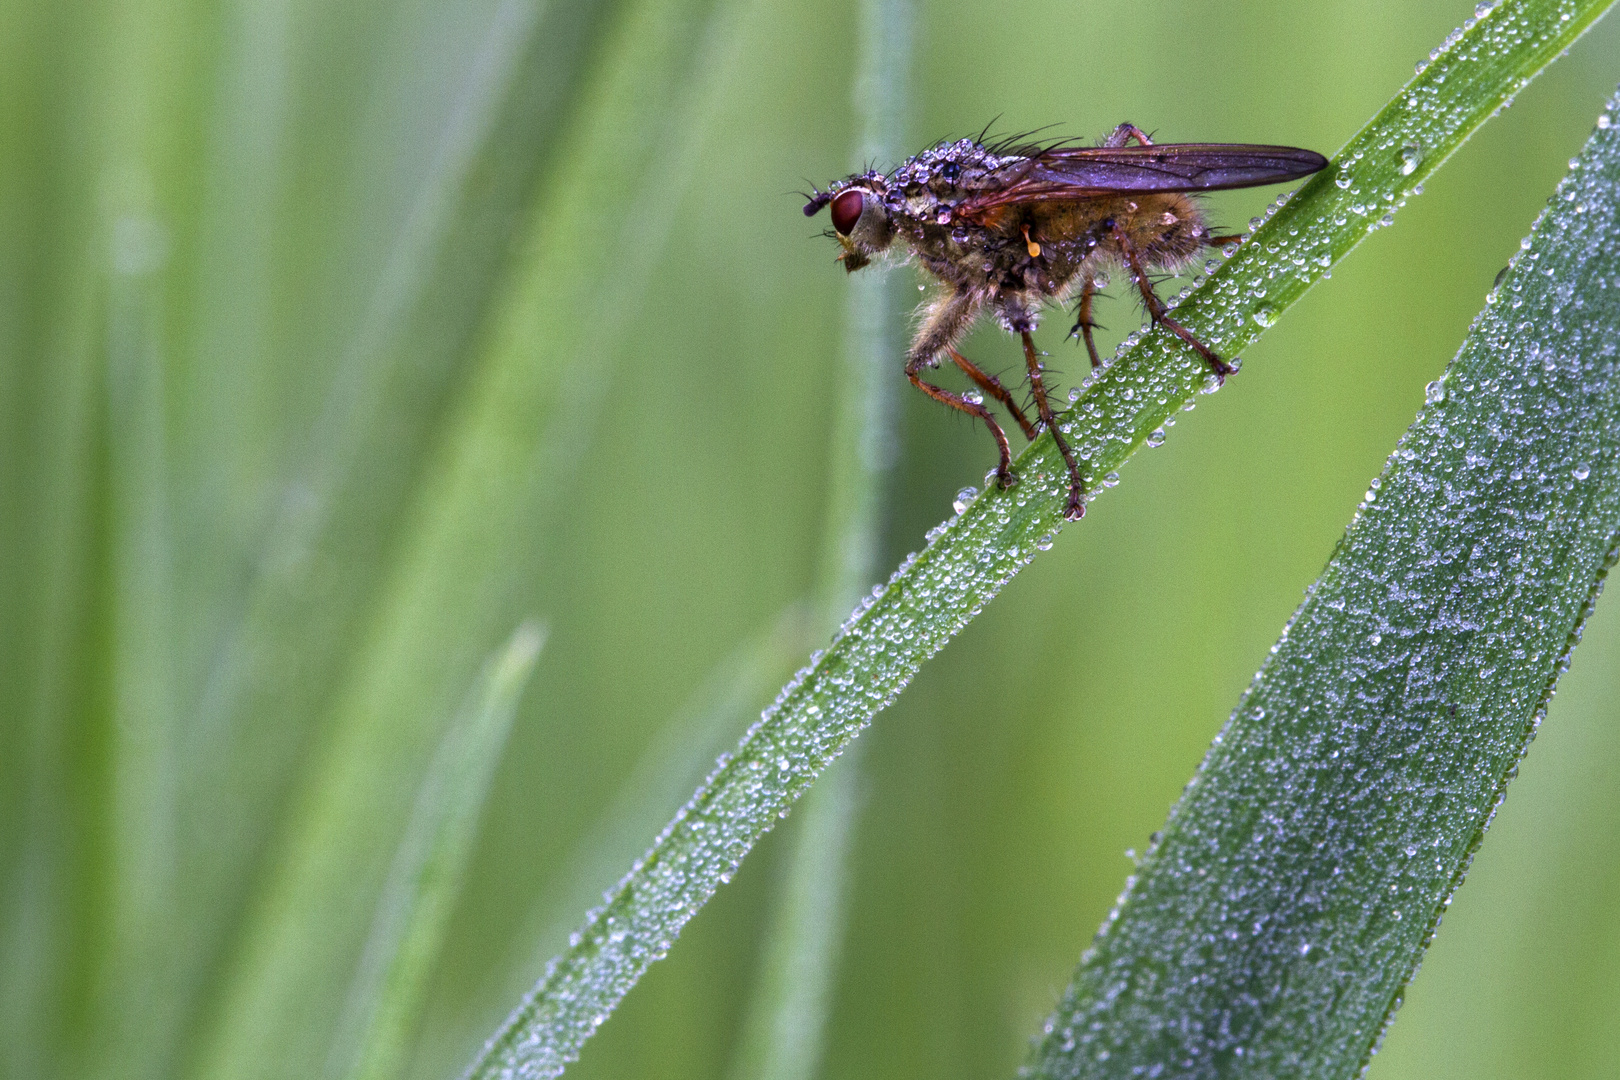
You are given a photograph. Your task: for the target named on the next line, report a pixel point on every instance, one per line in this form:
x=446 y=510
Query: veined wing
x=1082 y=172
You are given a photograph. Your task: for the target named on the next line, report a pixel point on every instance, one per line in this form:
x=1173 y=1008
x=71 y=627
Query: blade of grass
x=1302 y=876
x=310 y=563
x=782 y=1034
x=385 y=1000
x=934 y=594
x=148 y=73
x=475 y=536
x=136 y=994
x=676 y=761
x=50 y=945
x=669 y=768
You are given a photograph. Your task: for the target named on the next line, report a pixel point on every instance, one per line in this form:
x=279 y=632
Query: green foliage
x=385 y=1001
x=935 y=593
x=1270 y=931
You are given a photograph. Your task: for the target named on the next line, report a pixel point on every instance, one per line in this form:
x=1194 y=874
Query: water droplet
x=1387 y=219
x=1483 y=9
x=963 y=497
x=1156 y=437
x=1074 y=394
x=1264 y=316
x=1374 y=639
x=1110 y=479
x=1343 y=179
x=1045 y=542
x=1255 y=223
x=1305 y=948
x=973 y=397
x=1603 y=121
x=1435 y=392
x=1582 y=471
x=1411 y=158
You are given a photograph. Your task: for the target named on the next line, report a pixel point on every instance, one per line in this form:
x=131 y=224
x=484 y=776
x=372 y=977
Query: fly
x=1014 y=228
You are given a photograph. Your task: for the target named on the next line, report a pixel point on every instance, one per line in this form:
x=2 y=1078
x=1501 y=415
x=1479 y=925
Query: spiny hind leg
x=1083 y=322
x=1156 y=308
x=1123 y=134
x=947 y=319
x=1076 y=507
x=992 y=386
x=1004 y=473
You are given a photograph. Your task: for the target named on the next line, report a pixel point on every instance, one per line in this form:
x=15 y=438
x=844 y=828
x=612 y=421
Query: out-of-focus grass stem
x=783 y=1033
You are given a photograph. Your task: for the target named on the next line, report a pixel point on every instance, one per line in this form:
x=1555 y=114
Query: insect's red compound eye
x=846 y=211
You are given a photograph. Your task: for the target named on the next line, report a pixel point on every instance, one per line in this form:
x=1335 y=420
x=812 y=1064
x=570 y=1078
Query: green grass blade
x=475 y=538
x=52 y=352
x=284 y=588
x=865 y=443
x=1303 y=874
x=143 y=742
x=413 y=912
x=783 y=1033
x=676 y=761
x=139 y=91
x=934 y=594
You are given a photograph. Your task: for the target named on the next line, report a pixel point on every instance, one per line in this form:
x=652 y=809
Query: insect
x=1014 y=228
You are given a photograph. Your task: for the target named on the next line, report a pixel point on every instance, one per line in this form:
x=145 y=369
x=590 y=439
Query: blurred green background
x=336 y=339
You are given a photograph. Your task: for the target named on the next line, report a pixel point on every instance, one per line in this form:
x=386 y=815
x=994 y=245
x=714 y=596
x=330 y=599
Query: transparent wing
x=1081 y=172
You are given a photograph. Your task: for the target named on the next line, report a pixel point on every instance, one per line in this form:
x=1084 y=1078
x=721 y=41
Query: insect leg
x=1083 y=322
x=1156 y=309
x=1076 y=508
x=992 y=386
x=1004 y=473
x=1123 y=134
x=947 y=319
